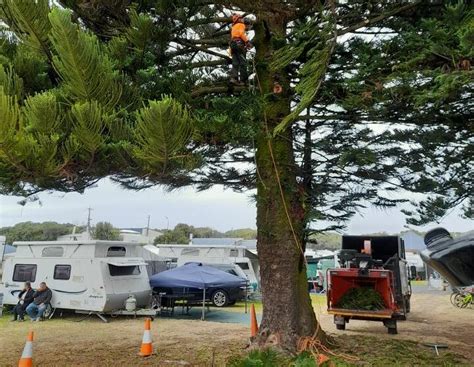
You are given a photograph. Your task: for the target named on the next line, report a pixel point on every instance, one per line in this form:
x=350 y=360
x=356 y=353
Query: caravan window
x=244 y=266
x=53 y=251
x=123 y=270
x=62 y=272
x=24 y=272
x=116 y=251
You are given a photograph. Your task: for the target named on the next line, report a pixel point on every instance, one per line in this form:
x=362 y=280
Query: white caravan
x=179 y=255
x=93 y=276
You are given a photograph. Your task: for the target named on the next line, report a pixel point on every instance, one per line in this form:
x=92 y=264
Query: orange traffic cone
x=146 y=349
x=26 y=359
x=253 y=322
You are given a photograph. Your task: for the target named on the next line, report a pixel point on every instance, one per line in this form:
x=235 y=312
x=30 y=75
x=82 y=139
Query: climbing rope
x=318 y=349
x=277 y=175
x=312 y=343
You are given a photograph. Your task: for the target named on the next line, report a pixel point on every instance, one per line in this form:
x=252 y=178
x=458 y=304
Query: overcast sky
x=217 y=208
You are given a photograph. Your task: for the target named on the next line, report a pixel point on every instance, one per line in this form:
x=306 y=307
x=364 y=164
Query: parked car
x=221 y=288
x=219 y=297
x=236 y=270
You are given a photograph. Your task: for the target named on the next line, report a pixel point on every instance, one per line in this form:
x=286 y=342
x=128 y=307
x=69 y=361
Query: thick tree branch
x=202 y=64
x=222 y=88
x=200 y=48
x=215 y=42
x=377 y=19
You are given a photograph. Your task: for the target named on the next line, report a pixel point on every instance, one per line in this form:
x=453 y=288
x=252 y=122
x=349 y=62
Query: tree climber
x=239 y=43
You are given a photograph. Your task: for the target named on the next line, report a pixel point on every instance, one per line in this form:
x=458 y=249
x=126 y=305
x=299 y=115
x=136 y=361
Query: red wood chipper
x=372 y=282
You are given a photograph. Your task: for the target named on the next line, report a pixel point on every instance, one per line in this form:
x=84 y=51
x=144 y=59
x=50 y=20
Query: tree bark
x=287 y=311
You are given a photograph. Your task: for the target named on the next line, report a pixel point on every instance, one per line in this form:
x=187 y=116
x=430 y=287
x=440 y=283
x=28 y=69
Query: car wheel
x=220 y=298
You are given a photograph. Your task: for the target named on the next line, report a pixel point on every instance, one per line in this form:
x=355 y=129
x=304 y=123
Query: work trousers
x=239 y=61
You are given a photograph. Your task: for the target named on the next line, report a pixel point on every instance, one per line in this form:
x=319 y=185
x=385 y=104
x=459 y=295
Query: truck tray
x=379 y=314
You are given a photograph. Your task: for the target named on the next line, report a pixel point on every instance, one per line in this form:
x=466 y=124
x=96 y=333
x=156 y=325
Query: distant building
x=139 y=235
x=414 y=244
x=250 y=245
x=413 y=240
x=83 y=236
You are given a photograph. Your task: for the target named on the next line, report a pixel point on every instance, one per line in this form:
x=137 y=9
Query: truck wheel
x=341 y=326
x=391 y=326
x=392 y=330
x=407 y=304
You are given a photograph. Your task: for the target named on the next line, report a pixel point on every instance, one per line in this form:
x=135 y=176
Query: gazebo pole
x=246 y=294
x=203 y=303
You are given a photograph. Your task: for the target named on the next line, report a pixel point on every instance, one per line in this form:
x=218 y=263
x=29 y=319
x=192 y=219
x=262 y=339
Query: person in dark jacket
x=41 y=299
x=24 y=299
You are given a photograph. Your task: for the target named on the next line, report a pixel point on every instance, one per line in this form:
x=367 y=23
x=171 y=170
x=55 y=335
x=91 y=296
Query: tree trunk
x=287 y=310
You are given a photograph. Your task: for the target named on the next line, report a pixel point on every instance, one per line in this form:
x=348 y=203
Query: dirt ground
x=432 y=320
x=93 y=343
x=67 y=342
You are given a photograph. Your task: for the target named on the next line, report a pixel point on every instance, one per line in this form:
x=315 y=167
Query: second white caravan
x=178 y=255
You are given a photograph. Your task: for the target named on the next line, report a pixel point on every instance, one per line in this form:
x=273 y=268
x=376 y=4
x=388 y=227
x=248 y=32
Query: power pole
x=89 y=220
x=148 y=226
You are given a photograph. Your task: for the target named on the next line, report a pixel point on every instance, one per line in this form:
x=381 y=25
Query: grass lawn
x=361 y=351
x=419 y=283
x=318 y=301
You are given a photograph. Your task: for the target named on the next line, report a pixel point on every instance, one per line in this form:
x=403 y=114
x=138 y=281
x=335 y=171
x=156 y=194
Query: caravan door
x=126 y=278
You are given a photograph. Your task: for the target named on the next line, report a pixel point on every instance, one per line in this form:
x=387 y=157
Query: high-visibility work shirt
x=238 y=31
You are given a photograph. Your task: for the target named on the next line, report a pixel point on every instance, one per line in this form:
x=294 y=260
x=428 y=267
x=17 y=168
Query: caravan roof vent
x=53 y=251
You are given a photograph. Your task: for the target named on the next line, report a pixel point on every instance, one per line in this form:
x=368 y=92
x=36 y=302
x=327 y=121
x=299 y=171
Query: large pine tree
x=376 y=101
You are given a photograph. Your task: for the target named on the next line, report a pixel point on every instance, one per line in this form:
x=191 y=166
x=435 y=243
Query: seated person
x=24 y=299
x=41 y=298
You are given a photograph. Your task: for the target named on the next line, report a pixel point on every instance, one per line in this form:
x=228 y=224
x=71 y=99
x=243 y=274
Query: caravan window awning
x=128 y=263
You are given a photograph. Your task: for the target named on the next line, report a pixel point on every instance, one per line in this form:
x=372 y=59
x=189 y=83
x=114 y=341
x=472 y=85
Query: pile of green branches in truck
x=361 y=299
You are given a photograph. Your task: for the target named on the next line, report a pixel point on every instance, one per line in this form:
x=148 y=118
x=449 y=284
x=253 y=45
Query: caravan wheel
x=220 y=298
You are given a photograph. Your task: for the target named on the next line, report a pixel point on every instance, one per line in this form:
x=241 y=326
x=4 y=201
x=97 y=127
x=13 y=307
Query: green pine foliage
x=314 y=44
x=29 y=20
x=82 y=97
x=85 y=69
x=162 y=129
x=12 y=85
x=69 y=115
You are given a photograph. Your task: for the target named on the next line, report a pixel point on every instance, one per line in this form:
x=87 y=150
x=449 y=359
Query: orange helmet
x=236 y=18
